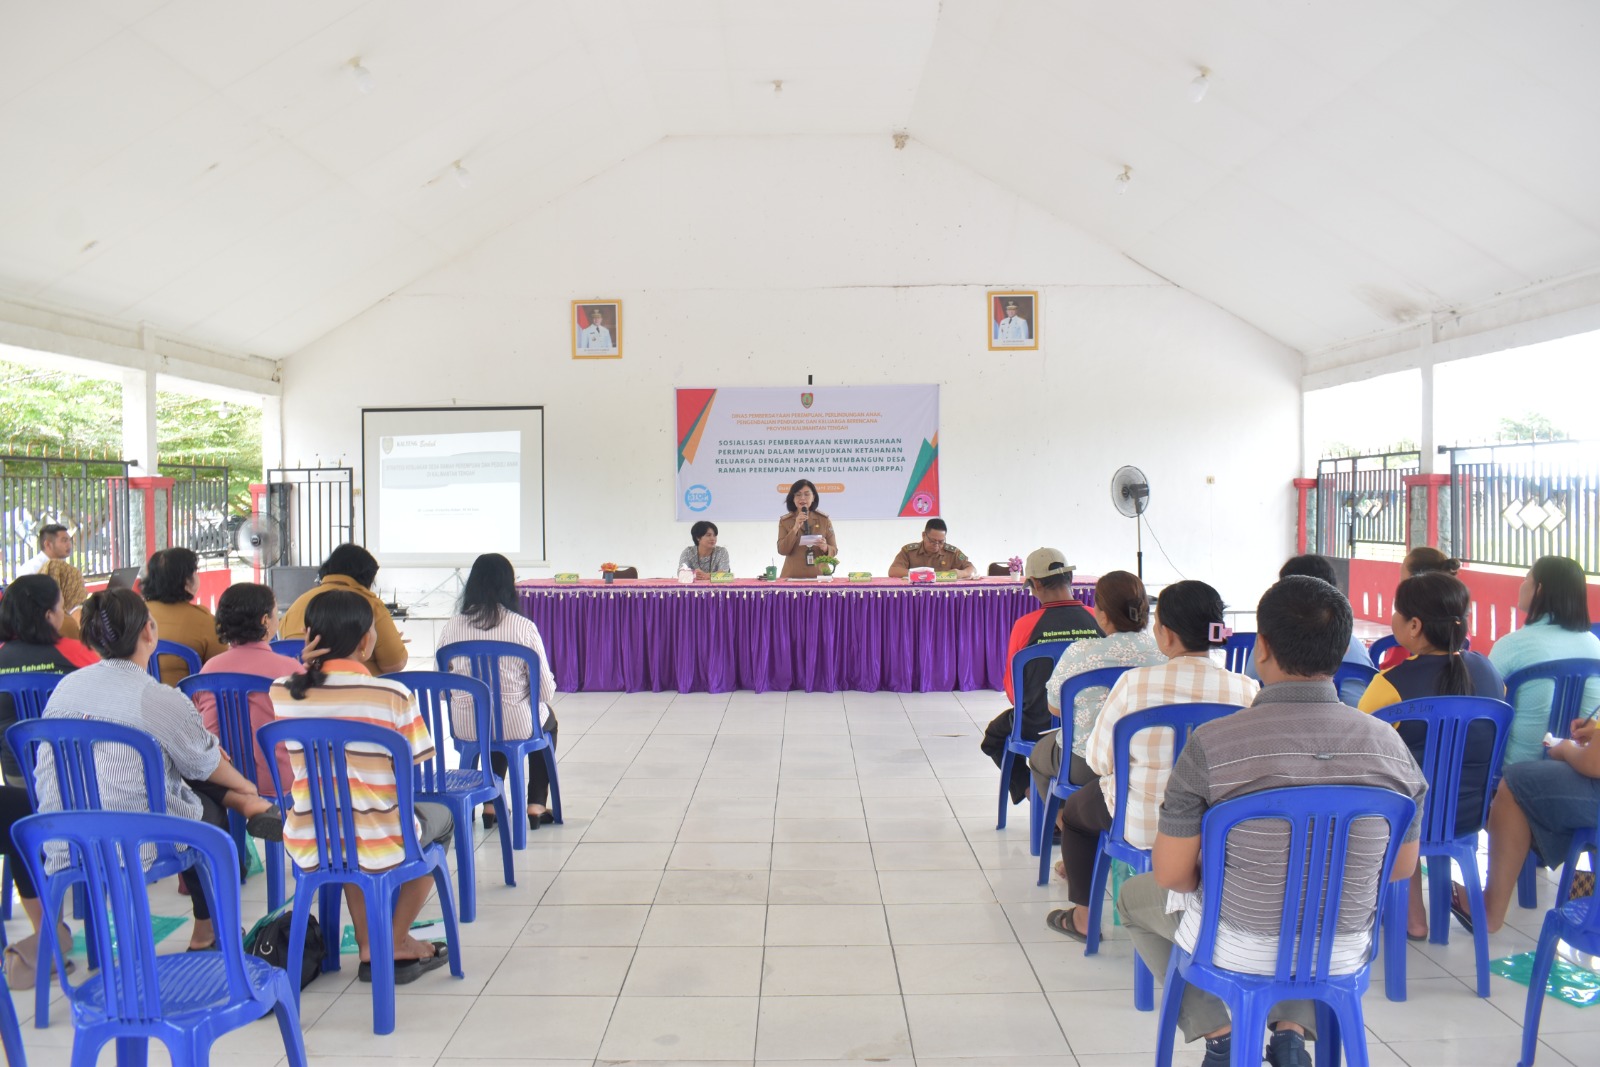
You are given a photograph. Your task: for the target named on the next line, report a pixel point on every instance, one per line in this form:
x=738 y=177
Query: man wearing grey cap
x=1060 y=618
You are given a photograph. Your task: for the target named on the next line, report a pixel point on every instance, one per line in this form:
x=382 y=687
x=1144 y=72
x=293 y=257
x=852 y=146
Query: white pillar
x=271 y=432
x=1426 y=442
x=139 y=421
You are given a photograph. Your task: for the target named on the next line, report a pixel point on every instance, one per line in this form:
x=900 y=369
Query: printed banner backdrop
x=872 y=450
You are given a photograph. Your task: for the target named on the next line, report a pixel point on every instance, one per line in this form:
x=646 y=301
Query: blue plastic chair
x=1061 y=786
x=1181 y=720
x=191 y=658
x=1448 y=720
x=10 y=1029
x=186 y=999
x=1577 y=922
x=231 y=691
x=29 y=692
x=463 y=789
x=1237 y=651
x=77 y=776
x=322 y=745
x=1320 y=818
x=1355 y=675
x=289 y=646
x=1380 y=648
x=483 y=663
x=1569 y=677
x=1016 y=747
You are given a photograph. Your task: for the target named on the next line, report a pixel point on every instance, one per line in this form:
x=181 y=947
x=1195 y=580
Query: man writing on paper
x=932 y=551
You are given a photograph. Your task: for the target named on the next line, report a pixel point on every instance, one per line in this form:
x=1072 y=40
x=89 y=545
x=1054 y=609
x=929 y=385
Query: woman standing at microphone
x=804 y=533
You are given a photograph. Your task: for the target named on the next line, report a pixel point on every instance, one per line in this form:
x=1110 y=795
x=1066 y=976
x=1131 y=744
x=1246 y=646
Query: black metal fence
x=200 y=518
x=310 y=511
x=1362 y=500
x=1511 y=504
x=87 y=496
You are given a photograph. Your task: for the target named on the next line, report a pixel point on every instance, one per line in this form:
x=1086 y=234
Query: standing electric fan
x=1130 y=492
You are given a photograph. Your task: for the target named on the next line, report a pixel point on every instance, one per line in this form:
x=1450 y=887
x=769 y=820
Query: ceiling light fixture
x=462 y=175
x=364 y=79
x=1199 y=87
x=1124 y=180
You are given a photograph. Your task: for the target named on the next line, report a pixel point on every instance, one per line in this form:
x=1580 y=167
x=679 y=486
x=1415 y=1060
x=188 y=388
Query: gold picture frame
x=582 y=316
x=1009 y=332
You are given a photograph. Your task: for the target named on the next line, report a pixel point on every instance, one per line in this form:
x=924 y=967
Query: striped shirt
x=121 y=691
x=516 y=708
x=350 y=693
x=1295 y=734
x=1181 y=680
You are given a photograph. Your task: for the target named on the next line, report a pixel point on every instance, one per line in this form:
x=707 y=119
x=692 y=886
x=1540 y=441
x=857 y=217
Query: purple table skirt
x=818 y=639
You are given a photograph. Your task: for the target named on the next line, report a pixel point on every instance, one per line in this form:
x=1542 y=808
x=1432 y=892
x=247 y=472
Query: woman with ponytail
x=1189 y=623
x=200 y=782
x=338 y=684
x=1430 y=622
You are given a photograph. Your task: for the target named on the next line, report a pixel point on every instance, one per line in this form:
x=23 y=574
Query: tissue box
x=566 y=579
x=920 y=575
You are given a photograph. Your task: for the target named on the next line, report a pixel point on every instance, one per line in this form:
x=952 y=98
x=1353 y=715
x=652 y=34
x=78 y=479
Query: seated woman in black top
x=31 y=613
x=1430 y=622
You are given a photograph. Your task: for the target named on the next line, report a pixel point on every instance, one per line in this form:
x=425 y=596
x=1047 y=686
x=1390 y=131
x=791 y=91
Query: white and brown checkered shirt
x=1184 y=680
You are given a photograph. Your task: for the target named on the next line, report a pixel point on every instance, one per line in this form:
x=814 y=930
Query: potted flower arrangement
x=608 y=572
x=825 y=564
x=1015 y=563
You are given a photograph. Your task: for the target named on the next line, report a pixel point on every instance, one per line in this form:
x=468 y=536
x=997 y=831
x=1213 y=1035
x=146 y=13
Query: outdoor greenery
x=52 y=412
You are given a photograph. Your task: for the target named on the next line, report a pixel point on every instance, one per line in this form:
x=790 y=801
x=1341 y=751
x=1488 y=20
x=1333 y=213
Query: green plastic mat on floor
x=1569 y=984
x=161 y=926
x=255 y=857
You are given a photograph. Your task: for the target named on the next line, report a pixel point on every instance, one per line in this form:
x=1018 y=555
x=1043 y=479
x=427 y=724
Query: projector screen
x=442 y=485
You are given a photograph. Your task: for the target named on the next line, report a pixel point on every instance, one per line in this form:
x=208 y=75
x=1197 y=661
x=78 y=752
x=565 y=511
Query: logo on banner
x=922 y=503
x=697 y=498
x=805 y=400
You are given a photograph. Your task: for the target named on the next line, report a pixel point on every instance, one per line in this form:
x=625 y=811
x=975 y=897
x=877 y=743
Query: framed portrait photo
x=597 y=329
x=1013 y=320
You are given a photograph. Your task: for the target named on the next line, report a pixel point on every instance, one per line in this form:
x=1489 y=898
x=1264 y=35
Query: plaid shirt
x=1184 y=680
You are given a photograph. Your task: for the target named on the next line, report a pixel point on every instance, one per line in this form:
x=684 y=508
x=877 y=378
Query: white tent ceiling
x=214 y=169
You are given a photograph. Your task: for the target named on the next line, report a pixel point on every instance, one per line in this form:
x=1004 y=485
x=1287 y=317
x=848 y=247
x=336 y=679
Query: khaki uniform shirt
x=186 y=624
x=950 y=558
x=794 y=553
x=390 y=653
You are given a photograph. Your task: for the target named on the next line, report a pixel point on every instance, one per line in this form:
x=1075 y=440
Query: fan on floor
x=1130 y=493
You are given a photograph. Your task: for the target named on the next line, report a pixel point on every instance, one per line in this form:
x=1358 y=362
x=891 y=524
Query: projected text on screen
x=441 y=490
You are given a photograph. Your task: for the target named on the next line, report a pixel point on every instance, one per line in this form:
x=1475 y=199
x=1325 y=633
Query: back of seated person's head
x=353 y=562
x=1121 y=598
x=1426 y=559
x=113 y=621
x=338 y=621
x=1311 y=566
x=1190 y=609
x=167 y=575
x=241 y=613
x=490 y=591
x=1306 y=624
x=24 y=608
x=1560 y=593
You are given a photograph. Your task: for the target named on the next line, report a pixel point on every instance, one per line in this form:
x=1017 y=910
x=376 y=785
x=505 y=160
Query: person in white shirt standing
x=595 y=337
x=55 y=542
x=1013 y=327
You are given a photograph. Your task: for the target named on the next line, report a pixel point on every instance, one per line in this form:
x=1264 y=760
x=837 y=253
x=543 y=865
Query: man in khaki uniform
x=932 y=551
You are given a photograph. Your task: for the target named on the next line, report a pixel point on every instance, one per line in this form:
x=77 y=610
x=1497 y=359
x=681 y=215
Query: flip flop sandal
x=408 y=971
x=1463 y=916
x=1060 y=921
x=266 y=825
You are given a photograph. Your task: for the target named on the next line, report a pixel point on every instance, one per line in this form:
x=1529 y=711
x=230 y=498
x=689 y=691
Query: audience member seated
x=488 y=612
x=1553 y=601
x=1061 y=618
x=22 y=955
x=200 y=782
x=1122 y=611
x=1314 y=566
x=703 y=557
x=353 y=569
x=171 y=580
x=1297 y=733
x=934 y=550
x=338 y=685
x=1188 y=617
x=55 y=542
x=1424 y=559
x=1430 y=622
x=247 y=617
x=31 y=640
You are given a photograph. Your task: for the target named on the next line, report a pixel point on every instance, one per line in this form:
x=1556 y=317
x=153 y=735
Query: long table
x=638 y=635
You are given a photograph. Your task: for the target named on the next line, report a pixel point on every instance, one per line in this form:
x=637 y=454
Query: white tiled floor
x=782 y=879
